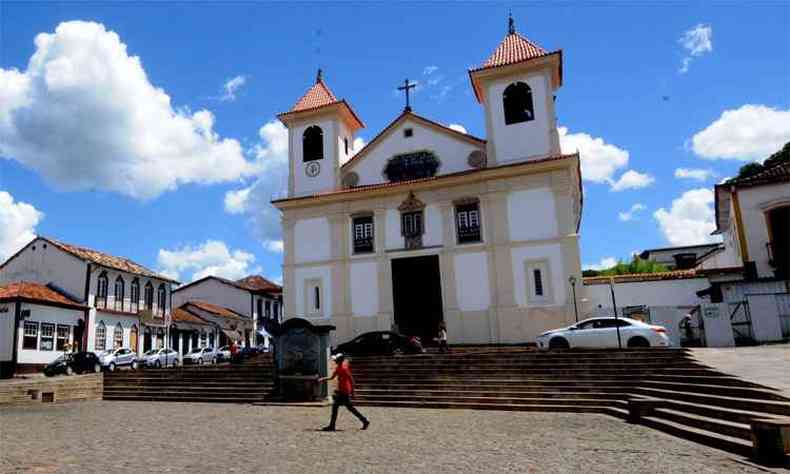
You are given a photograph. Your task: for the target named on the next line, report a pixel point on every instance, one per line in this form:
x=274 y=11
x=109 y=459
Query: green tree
x=636 y=265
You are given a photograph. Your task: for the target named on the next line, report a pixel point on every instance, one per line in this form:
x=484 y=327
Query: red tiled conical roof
x=513 y=49
x=317 y=96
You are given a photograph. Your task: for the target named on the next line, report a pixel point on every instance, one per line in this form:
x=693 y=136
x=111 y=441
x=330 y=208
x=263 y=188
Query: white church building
x=426 y=224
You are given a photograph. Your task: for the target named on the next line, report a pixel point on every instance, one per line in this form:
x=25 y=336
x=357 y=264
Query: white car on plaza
x=159 y=358
x=200 y=356
x=601 y=333
x=110 y=360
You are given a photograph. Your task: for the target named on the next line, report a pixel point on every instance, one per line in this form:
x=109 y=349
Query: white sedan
x=601 y=333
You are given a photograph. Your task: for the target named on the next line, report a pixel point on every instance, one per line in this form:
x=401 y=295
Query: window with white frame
x=30 y=337
x=117 y=336
x=314 y=297
x=101 y=337
x=63 y=333
x=47 y=342
x=538 y=279
x=161 y=299
x=120 y=289
x=149 y=297
x=467 y=222
x=362 y=227
x=102 y=284
x=134 y=302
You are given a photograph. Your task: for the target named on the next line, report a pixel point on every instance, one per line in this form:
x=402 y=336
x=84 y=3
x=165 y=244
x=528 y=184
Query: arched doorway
x=147 y=339
x=133 y=334
x=779 y=244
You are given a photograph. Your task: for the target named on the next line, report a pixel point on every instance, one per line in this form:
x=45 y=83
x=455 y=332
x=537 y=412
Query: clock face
x=312 y=169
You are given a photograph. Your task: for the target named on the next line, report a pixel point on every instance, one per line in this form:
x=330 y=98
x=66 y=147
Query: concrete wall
x=312 y=240
x=76 y=387
x=365 y=294
x=451 y=151
x=667 y=293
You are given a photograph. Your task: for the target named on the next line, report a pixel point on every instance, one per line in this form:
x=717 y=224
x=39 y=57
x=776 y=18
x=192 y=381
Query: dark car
x=377 y=343
x=75 y=363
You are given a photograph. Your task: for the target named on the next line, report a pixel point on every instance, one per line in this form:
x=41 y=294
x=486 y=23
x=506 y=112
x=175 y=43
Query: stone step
x=554 y=406
x=716 y=412
x=371 y=393
x=698 y=435
x=570 y=386
x=180 y=398
x=201 y=383
x=715 y=425
x=488 y=400
x=527 y=366
x=584 y=377
x=185 y=393
x=763 y=393
x=765 y=406
x=556 y=372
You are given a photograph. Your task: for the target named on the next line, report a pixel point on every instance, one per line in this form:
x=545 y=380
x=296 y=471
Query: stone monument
x=301 y=356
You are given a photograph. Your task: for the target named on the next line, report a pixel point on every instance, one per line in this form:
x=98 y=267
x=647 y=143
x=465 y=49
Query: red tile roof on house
x=513 y=49
x=181 y=315
x=214 y=309
x=105 y=260
x=36 y=293
x=259 y=283
x=317 y=96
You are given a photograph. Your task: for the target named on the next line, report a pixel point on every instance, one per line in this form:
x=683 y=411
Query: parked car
x=73 y=363
x=223 y=353
x=200 y=356
x=248 y=351
x=159 y=358
x=602 y=333
x=377 y=343
x=111 y=360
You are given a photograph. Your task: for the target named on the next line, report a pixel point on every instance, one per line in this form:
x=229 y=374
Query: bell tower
x=321 y=132
x=516 y=87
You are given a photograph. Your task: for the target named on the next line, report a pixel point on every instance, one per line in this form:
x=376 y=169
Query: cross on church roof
x=405 y=87
x=511 y=24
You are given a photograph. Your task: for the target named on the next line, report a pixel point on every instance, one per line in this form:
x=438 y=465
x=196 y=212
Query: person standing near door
x=344 y=392
x=443 y=338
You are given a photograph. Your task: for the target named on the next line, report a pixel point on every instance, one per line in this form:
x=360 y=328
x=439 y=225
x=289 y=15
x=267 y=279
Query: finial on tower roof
x=511 y=25
x=320 y=76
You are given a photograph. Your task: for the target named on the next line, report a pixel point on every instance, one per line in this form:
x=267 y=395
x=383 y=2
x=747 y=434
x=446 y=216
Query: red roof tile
x=259 y=283
x=183 y=316
x=639 y=277
x=36 y=293
x=214 y=309
x=317 y=96
x=513 y=49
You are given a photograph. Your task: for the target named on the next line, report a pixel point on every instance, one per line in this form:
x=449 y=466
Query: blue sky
x=81 y=129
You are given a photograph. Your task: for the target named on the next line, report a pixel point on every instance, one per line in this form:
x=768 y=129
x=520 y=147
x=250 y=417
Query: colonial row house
x=428 y=225
x=254 y=298
x=126 y=304
x=202 y=324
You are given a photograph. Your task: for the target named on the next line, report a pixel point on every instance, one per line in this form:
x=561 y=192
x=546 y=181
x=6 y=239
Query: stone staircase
x=248 y=382
x=692 y=401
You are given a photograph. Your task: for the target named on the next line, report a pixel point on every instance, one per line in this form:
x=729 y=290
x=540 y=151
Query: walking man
x=345 y=390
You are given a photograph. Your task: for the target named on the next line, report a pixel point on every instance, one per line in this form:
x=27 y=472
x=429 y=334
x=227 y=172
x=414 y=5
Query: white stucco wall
x=531 y=214
x=393 y=238
x=365 y=291
x=754 y=202
x=312 y=239
x=110 y=321
x=112 y=275
x=45 y=314
x=471 y=281
x=47 y=264
x=215 y=292
x=451 y=151
x=678 y=293
x=554 y=284
x=7 y=313
x=325 y=180
x=302 y=275
x=433 y=226
x=520 y=141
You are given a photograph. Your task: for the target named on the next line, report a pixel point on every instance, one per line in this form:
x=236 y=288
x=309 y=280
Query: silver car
x=200 y=356
x=110 y=360
x=159 y=358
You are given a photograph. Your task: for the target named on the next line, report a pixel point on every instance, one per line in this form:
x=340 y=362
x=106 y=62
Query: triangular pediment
x=415 y=138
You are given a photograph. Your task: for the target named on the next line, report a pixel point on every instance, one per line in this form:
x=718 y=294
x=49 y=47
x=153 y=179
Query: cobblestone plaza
x=196 y=438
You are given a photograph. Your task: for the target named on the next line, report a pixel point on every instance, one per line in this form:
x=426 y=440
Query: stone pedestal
x=771 y=438
x=301 y=356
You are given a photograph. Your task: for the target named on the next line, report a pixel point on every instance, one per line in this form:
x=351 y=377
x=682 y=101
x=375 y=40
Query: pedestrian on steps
x=344 y=392
x=443 y=338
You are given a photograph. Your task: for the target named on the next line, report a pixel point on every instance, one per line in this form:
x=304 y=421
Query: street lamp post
x=572 y=281
x=616 y=319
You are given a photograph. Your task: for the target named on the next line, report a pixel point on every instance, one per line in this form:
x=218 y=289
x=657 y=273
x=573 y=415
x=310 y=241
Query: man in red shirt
x=345 y=390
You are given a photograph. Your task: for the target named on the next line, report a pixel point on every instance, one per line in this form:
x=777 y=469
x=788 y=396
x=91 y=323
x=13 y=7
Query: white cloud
x=428 y=70
x=749 y=133
x=599 y=159
x=212 y=257
x=359 y=144
x=254 y=200
x=690 y=221
x=18 y=221
x=231 y=86
x=457 y=127
x=606 y=262
x=630 y=214
x=697 y=174
x=696 y=42
x=85 y=116
x=274 y=246
x=632 y=180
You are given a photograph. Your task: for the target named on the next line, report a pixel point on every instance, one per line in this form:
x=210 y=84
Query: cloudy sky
x=149 y=130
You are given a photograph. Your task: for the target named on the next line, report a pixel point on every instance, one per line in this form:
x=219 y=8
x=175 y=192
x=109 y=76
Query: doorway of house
x=779 y=246
x=417 y=295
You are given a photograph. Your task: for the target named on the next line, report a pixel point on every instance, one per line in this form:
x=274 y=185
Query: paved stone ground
x=197 y=438
x=767 y=365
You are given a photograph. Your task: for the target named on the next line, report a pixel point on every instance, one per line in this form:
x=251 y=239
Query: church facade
x=427 y=225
